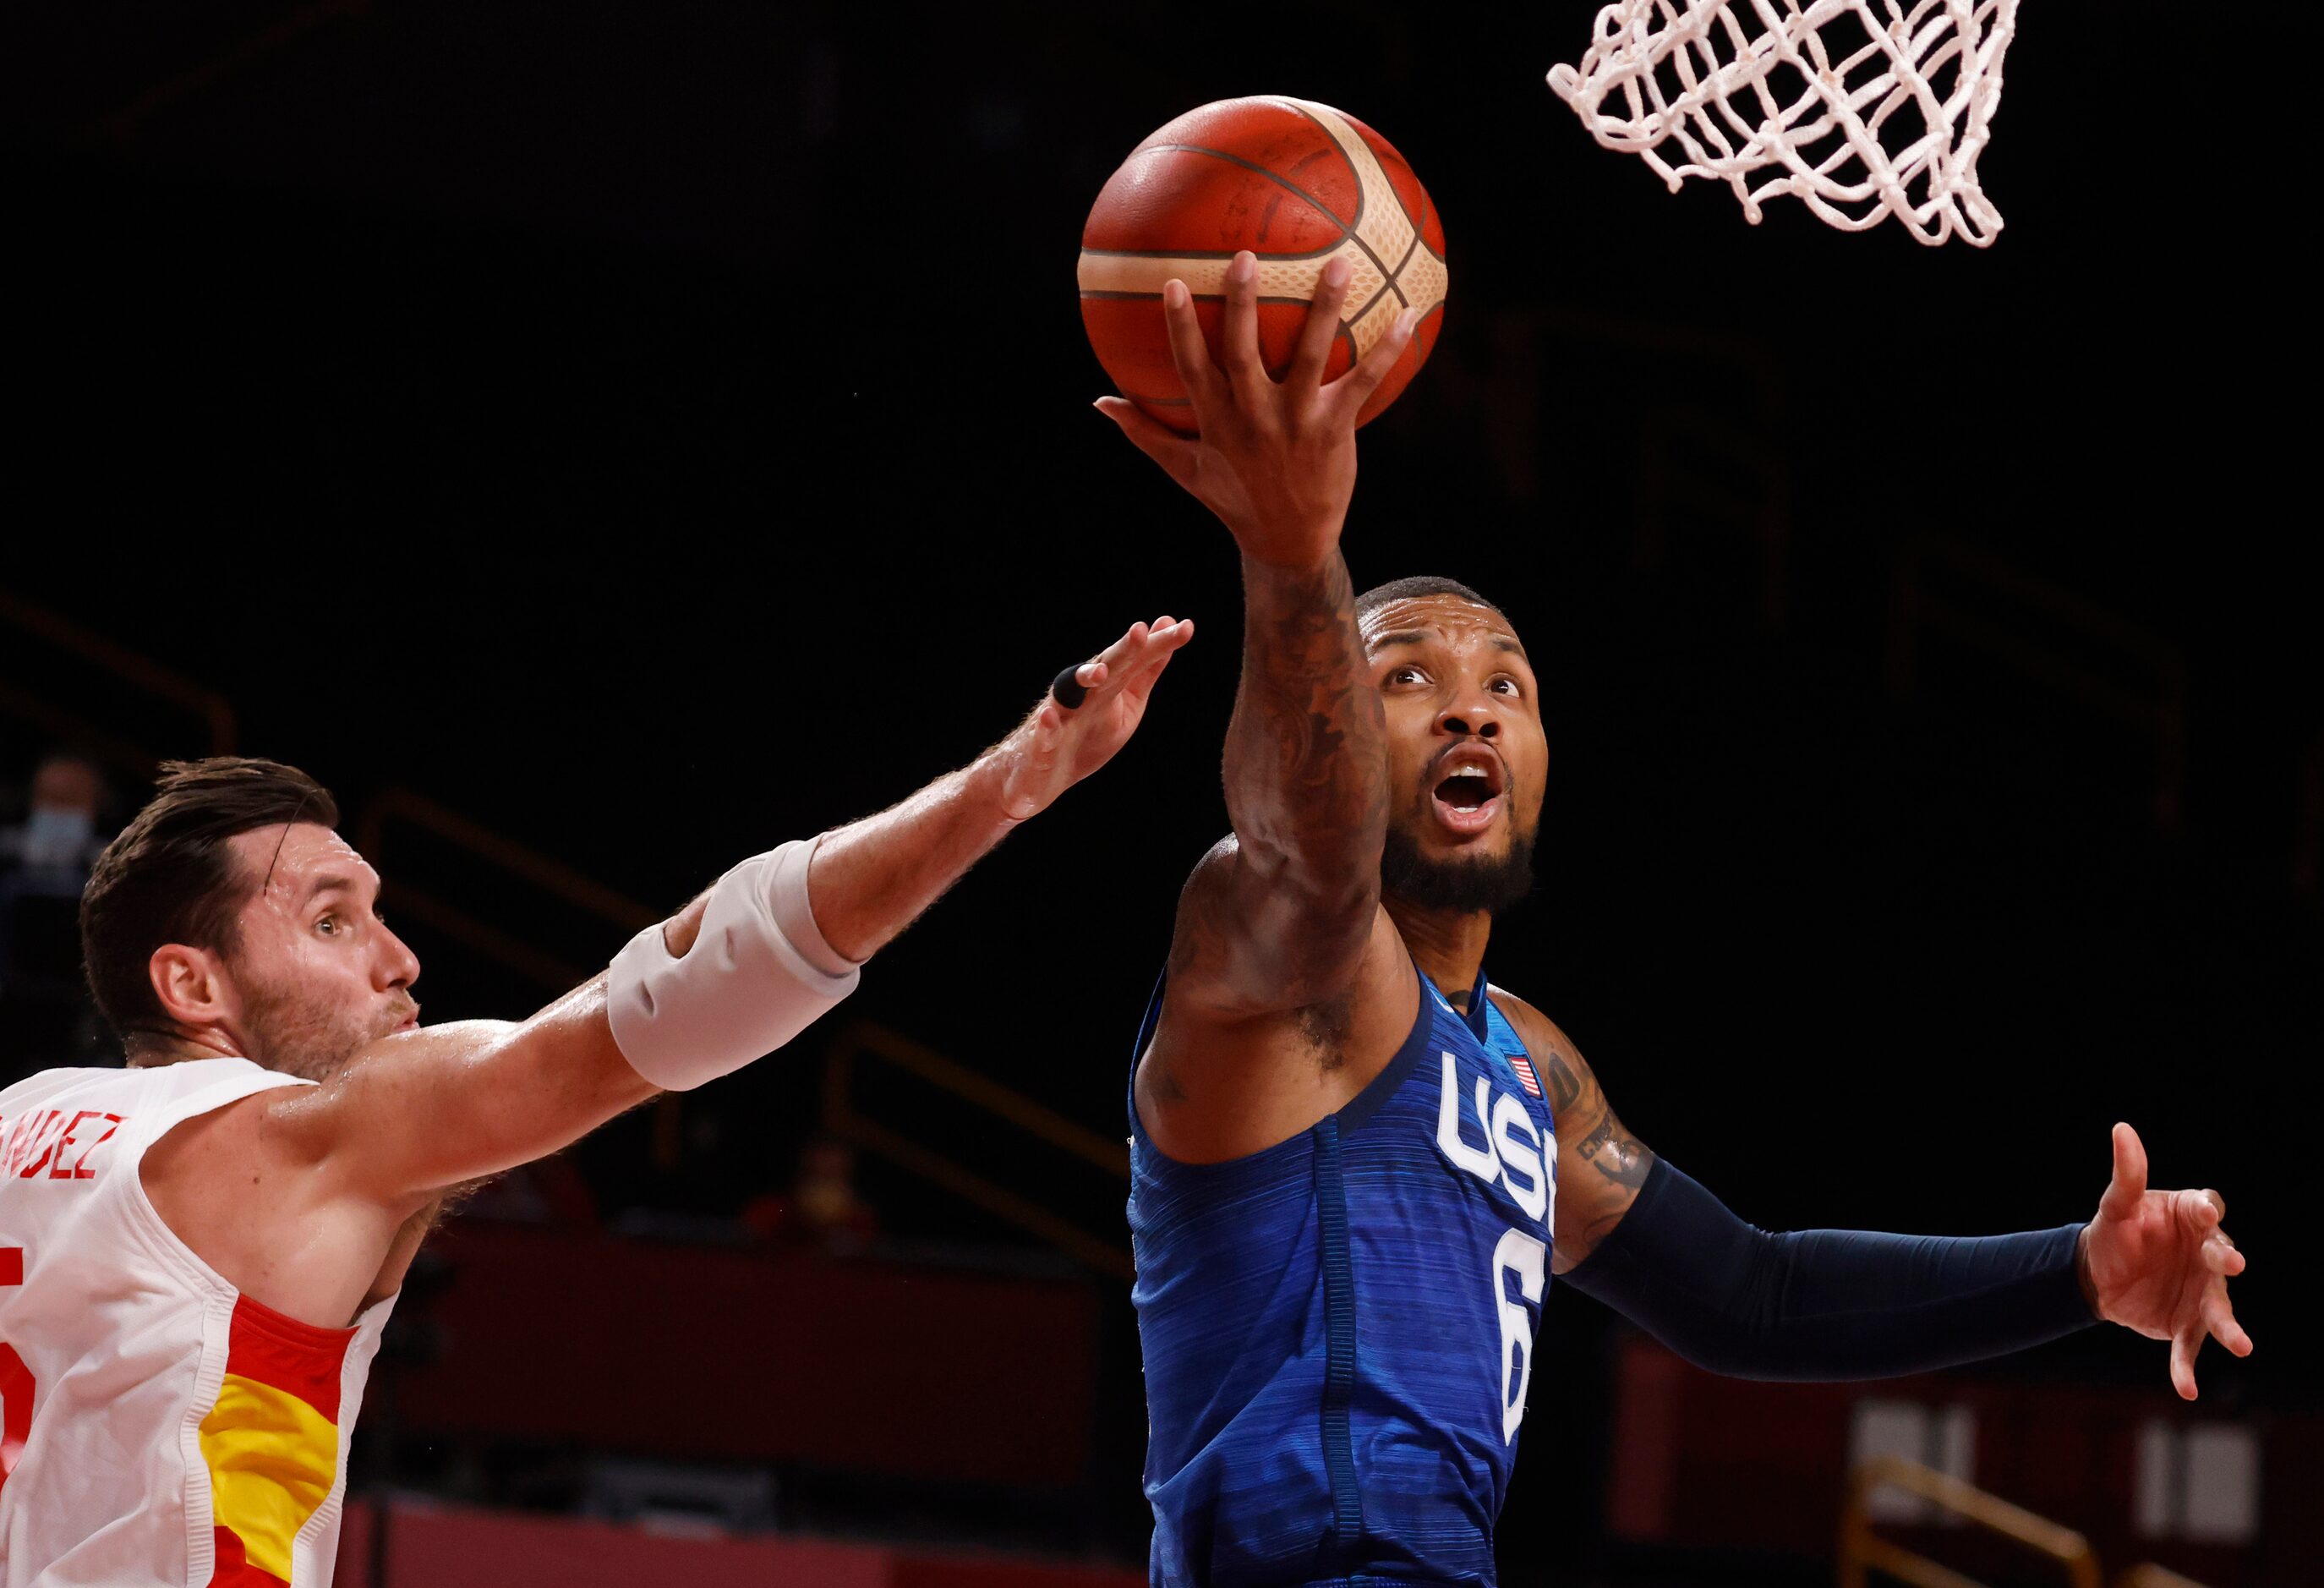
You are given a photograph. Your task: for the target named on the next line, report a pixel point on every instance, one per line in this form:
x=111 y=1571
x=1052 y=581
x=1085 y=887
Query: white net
x=1861 y=108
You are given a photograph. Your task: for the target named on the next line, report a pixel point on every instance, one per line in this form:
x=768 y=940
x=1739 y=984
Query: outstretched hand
x=1056 y=747
x=1274 y=459
x=2158 y=1262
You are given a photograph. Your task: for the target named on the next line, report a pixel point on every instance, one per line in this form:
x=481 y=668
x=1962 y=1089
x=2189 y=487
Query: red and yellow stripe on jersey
x=271 y=1441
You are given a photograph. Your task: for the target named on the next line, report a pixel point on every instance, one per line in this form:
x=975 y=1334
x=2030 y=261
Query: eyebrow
x=1421 y=636
x=331 y=885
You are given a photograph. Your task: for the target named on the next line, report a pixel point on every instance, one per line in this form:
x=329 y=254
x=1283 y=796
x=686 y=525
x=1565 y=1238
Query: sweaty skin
x=1454 y=688
x=1290 y=981
x=313 y=1200
x=1290 y=968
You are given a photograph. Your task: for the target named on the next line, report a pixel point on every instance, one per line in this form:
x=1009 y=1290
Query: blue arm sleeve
x=1826 y=1304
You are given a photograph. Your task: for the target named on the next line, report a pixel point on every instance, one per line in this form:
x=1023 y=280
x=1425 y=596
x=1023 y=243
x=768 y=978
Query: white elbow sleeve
x=758 y=974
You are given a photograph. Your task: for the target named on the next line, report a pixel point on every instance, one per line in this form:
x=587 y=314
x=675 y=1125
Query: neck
x=1449 y=945
x=149 y=1049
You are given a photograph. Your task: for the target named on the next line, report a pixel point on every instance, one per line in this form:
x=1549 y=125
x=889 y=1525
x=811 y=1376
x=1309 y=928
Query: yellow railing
x=1862 y=1551
x=867 y=1041
x=2153 y=1577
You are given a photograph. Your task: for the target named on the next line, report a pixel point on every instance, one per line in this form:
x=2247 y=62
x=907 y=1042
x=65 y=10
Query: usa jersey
x=162 y=1430
x=1339 y=1330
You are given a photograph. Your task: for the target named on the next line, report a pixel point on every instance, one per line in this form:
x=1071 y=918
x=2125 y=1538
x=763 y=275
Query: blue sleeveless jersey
x=1339 y=1330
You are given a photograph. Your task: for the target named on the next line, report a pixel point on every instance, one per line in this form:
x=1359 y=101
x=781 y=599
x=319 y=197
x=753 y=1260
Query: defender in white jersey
x=162 y=1426
x=197 y=1253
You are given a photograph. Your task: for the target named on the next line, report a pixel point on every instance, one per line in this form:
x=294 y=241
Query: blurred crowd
x=53 y=824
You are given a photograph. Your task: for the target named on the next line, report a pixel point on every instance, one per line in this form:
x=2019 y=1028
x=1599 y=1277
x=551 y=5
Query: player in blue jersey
x=1354 y=1167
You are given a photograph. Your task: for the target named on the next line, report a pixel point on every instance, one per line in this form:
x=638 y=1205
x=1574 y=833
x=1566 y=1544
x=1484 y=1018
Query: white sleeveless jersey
x=160 y=1428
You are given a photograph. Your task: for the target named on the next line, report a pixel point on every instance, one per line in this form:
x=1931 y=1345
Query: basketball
x=1295 y=182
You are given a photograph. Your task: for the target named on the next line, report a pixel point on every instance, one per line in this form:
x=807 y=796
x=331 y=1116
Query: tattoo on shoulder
x=1616 y=1154
x=1564 y=1085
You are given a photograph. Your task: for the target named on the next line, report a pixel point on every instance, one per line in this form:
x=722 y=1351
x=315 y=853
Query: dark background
x=656 y=432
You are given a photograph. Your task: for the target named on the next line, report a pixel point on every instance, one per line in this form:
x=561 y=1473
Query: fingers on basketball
x=1239 y=336
x=1190 y=356
x=1353 y=390
x=1320 y=329
x=1294 y=185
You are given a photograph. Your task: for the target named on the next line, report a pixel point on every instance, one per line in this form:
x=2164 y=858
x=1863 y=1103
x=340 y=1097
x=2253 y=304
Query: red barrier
x=1710 y=1462
x=431 y=1548
x=704 y=1354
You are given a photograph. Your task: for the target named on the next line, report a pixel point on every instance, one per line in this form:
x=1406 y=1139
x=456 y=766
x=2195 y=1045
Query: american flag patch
x=1524 y=1067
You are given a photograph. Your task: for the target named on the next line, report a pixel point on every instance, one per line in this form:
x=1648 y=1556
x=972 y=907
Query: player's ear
x=191 y=984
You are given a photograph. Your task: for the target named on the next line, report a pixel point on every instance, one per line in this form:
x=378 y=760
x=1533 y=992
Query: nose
x=398 y=965
x=1470 y=713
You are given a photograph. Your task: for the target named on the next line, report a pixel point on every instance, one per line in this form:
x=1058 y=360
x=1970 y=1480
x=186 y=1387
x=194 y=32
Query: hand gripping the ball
x=1274 y=459
x=1058 y=745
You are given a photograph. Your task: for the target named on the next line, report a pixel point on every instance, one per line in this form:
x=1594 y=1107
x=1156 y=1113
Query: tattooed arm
x=1277 y=918
x=1601 y=1166
x=1638 y=1235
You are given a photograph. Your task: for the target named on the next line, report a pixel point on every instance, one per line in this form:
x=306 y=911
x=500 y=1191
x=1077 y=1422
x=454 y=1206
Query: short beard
x=300 y=1038
x=1490 y=884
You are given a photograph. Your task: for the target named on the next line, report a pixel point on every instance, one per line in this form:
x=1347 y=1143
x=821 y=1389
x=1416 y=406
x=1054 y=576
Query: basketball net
x=1863 y=108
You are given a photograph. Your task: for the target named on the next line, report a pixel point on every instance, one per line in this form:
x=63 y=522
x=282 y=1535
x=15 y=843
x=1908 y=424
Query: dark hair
x=168 y=877
x=1418 y=586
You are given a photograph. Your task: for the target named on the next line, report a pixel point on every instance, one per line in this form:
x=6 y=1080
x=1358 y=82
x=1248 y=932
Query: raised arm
x=424 y=1110
x=1277 y=916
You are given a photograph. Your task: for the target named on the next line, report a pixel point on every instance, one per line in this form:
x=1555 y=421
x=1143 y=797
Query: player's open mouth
x=1468 y=790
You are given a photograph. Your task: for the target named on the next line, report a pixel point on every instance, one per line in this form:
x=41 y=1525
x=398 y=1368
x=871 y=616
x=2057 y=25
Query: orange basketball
x=1295 y=183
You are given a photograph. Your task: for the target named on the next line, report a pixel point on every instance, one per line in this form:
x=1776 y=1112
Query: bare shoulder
x=1600 y=1164
x=1244 y=1054
x=1228 y=967
x=1530 y=1023
x=1570 y=1081
x=240 y=1187
x=243 y=1137
x=1586 y=1119
x=1255 y=935
x=265 y=1135
x=1210 y=968
x=1208 y=891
